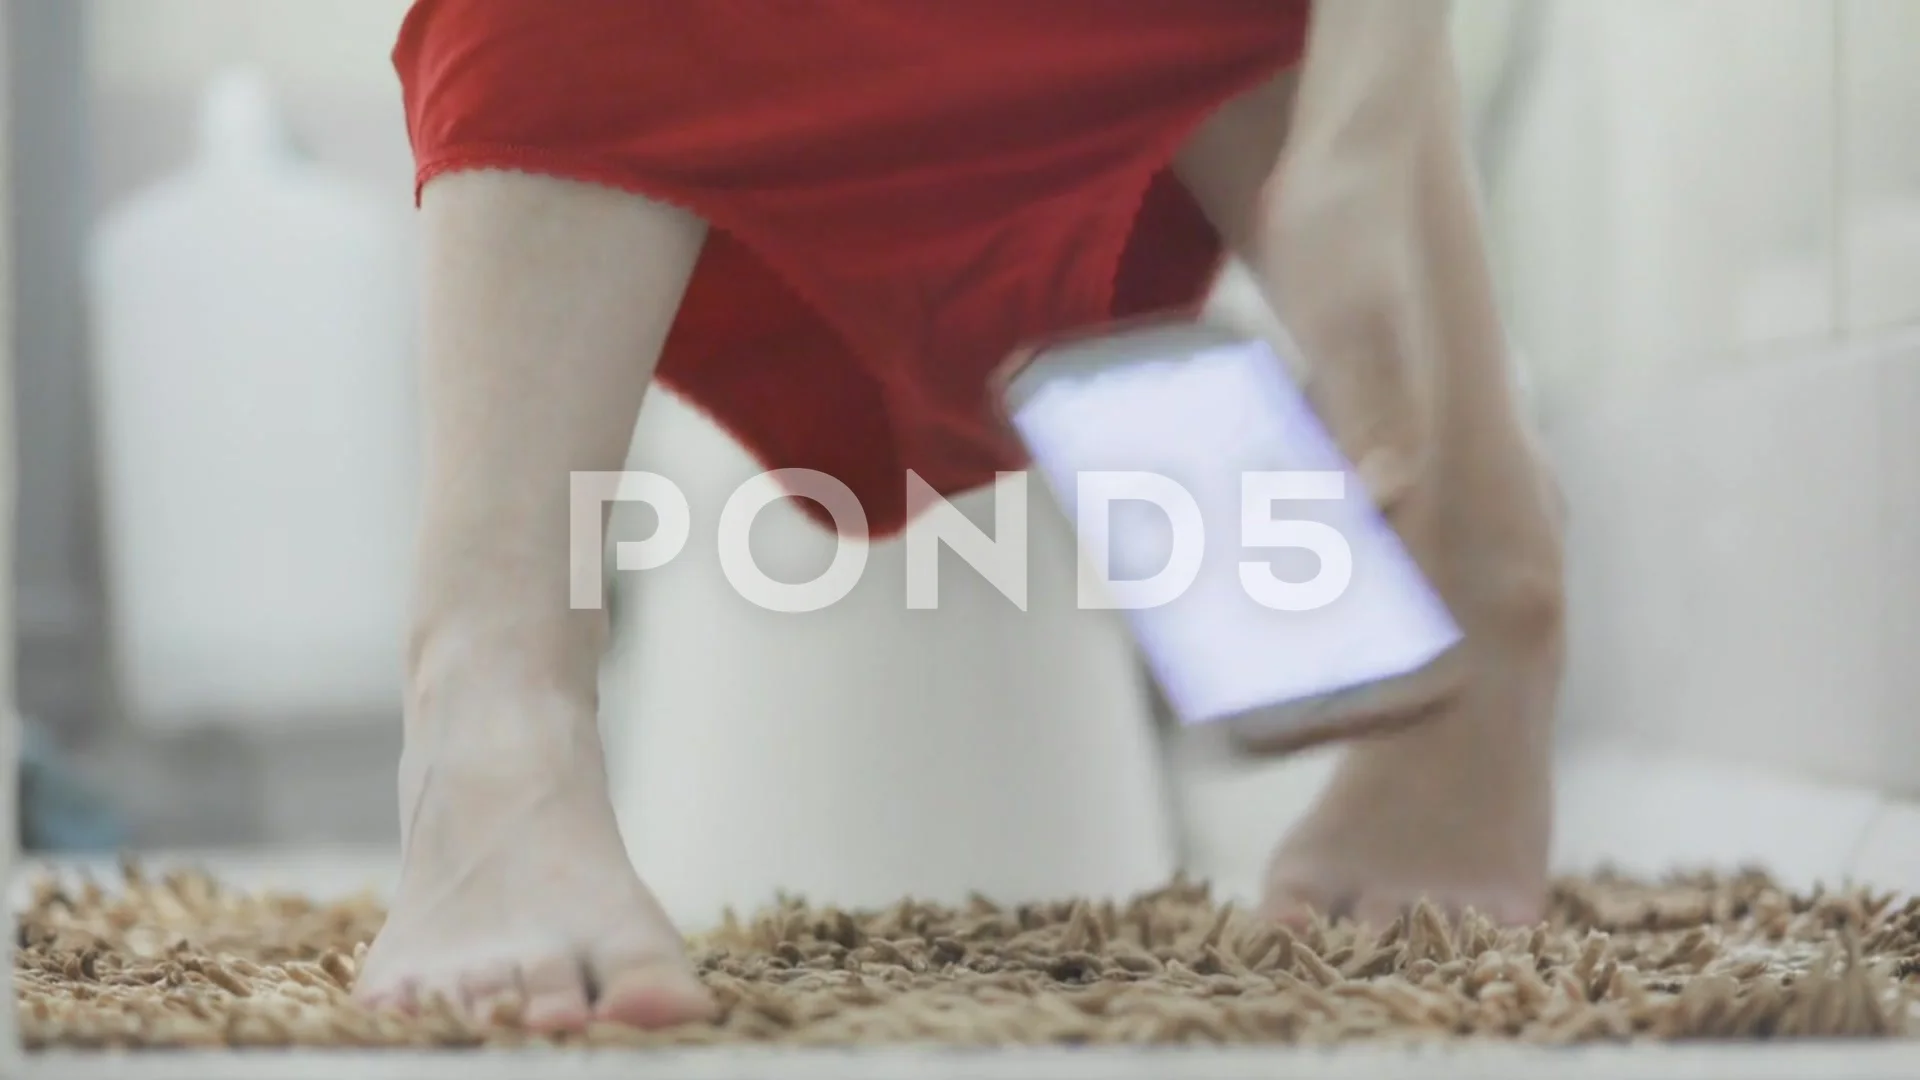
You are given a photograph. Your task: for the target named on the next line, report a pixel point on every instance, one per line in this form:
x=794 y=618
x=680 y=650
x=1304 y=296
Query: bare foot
x=516 y=889
x=1457 y=810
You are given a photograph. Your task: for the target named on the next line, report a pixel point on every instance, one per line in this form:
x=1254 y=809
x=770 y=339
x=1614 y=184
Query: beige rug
x=185 y=962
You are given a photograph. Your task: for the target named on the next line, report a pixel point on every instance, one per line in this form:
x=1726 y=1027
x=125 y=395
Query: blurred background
x=1705 y=218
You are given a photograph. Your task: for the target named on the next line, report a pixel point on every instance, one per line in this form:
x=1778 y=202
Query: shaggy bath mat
x=182 y=961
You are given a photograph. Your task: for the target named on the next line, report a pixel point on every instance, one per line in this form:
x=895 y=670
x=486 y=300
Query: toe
x=1516 y=905
x=492 y=994
x=1384 y=909
x=556 y=995
x=1295 y=904
x=649 y=990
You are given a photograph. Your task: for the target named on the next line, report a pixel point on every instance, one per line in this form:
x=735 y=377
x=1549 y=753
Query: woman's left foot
x=1457 y=809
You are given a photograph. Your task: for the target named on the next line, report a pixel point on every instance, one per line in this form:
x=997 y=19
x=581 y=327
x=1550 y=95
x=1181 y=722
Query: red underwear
x=901 y=192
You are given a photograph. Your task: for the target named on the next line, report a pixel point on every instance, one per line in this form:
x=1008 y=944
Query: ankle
x=501 y=680
x=558 y=648
x=1510 y=576
x=493 y=742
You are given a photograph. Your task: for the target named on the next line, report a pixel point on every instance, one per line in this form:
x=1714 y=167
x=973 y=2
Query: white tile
x=1888 y=856
x=1880 y=164
x=1628 y=630
x=1650 y=814
x=1725 y=553
x=1710 y=129
x=1231 y=810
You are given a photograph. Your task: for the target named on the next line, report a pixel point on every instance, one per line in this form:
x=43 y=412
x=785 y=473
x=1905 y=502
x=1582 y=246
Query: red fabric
x=901 y=191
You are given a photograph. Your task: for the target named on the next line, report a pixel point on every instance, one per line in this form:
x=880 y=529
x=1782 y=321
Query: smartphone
x=1262 y=584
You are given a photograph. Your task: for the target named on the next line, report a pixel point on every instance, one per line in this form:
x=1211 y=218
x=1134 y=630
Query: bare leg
x=1394 y=309
x=547 y=303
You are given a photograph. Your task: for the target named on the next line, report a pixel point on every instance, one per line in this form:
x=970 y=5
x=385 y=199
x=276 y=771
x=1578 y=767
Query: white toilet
x=867 y=752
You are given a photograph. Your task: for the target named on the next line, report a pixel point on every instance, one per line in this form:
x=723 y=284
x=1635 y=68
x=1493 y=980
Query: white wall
x=331 y=45
x=1709 y=229
x=328 y=58
x=1699 y=181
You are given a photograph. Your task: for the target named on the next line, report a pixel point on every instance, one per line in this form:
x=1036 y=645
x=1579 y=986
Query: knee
x=1391 y=472
x=1529 y=600
x=1524 y=592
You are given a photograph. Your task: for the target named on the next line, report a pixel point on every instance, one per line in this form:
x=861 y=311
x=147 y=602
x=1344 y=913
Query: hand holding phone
x=1264 y=587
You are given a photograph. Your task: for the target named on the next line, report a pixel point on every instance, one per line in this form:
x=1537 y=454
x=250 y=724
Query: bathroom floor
x=1665 y=815
x=1699 y=958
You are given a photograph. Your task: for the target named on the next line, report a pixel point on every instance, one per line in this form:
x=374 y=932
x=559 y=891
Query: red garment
x=901 y=191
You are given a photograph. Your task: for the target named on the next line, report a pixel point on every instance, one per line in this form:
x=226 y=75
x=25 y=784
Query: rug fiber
x=181 y=961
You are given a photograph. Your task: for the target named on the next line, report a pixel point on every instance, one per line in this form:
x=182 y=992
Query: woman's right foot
x=516 y=888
